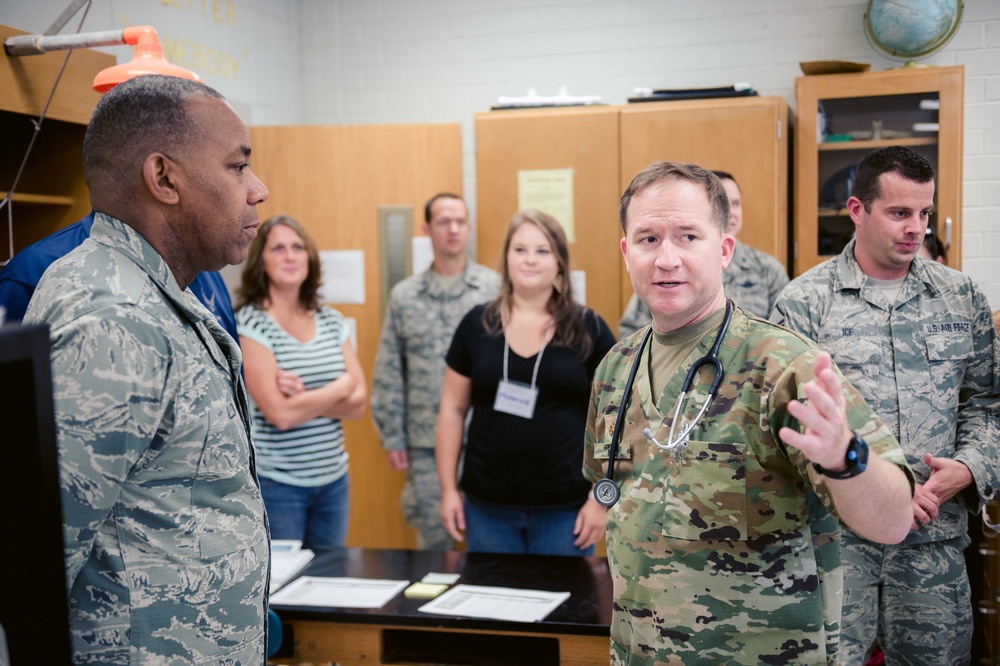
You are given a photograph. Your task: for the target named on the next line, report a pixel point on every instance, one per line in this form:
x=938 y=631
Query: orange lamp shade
x=148 y=59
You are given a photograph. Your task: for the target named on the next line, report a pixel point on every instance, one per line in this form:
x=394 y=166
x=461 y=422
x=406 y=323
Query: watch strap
x=856 y=458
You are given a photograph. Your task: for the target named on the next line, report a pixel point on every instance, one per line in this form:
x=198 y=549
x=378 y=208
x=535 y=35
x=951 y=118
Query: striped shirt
x=311 y=454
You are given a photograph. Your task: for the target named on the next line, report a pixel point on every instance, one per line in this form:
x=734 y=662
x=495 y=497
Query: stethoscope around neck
x=606 y=491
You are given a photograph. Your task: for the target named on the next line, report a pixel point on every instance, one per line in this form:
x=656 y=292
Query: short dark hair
x=909 y=164
x=661 y=171
x=439 y=195
x=933 y=244
x=725 y=175
x=254 y=287
x=140 y=116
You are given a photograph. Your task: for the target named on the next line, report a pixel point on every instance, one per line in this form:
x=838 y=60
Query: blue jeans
x=315 y=516
x=536 y=530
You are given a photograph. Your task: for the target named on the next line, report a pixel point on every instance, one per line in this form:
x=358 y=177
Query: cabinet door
x=333 y=179
x=920 y=109
x=582 y=139
x=747 y=137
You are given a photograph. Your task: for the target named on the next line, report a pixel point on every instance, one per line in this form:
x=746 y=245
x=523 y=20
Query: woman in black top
x=524 y=363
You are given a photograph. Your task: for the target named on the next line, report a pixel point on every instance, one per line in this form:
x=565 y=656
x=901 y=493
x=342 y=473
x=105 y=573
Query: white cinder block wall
x=398 y=61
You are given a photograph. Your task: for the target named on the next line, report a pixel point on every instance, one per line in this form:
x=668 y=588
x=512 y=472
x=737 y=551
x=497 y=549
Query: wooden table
x=577 y=632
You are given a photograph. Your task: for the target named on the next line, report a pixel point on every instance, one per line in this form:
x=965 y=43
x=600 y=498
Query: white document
x=343 y=276
x=339 y=592
x=285 y=563
x=496 y=603
x=550 y=191
x=578 y=283
x=422 y=253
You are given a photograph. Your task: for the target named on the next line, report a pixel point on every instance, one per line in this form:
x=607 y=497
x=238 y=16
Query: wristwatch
x=856 y=460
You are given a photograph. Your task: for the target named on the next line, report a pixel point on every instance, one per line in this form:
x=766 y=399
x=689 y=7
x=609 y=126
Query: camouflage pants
x=914 y=600
x=421 y=501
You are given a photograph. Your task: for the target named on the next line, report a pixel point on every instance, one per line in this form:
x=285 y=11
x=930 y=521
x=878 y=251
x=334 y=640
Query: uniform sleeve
x=792 y=310
x=607 y=390
x=388 y=403
x=860 y=417
x=636 y=316
x=111 y=384
x=977 y=438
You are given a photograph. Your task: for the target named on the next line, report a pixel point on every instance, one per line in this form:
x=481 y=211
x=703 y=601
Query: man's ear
x=855 y=208
x=728 y=248
x=624 y=246
x=159 y=174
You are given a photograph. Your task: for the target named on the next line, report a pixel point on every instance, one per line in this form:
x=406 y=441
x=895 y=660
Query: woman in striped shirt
x=304 y=377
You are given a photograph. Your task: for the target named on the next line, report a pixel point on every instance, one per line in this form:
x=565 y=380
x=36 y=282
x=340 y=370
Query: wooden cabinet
x=745 y=136
x=606 y=146
x=584 y=139
x=919 y=108
x=333 y=179
x=51 y=193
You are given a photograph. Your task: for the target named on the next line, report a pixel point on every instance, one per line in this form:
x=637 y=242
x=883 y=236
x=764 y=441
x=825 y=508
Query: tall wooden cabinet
x=51 y=193
x=920 y=108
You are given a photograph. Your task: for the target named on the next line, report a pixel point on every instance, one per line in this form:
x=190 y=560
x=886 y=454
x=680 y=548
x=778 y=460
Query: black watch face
x=861 y=447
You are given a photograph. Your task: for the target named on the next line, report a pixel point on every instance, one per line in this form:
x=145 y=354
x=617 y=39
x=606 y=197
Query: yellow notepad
x=423 y=591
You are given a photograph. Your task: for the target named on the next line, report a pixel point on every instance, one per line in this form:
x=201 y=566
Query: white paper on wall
x=343 y=276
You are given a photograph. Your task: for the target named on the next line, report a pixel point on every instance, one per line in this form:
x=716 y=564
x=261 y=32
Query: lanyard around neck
x=538 y=359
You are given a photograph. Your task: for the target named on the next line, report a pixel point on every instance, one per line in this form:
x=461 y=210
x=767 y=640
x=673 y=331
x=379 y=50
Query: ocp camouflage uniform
x=753 y=279
x=163 y=523
x=713 y=557
x=928 y=365
x=409 y=373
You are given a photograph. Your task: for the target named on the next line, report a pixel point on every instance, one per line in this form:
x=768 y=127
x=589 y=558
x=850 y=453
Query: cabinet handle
x=947 y=232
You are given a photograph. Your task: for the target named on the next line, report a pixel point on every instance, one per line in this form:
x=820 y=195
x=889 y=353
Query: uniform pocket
x=948 y=347
x=705 y=493
x=859 y=358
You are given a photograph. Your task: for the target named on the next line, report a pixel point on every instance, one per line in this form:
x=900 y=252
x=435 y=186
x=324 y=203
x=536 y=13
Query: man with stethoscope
x=705 y=434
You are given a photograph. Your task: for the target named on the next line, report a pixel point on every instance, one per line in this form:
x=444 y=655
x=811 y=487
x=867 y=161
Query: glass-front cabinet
x=842 y=117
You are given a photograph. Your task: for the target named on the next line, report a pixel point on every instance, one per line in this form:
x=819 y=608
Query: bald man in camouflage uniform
x=423 y=312
x=917 y=340
x=710 y=545
x=164 y=529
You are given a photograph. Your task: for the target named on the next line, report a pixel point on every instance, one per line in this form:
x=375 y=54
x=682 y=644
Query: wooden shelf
x=869 y=144
x=40 y=199
x=51 y=192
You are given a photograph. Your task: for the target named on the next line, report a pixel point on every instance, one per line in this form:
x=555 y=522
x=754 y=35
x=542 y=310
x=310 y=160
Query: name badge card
x=516 y=398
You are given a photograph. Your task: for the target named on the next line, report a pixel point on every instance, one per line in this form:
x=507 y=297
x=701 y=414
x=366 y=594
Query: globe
x=911 y=29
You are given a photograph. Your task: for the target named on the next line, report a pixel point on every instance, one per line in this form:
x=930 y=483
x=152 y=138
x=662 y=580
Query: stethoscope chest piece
x=606 y=492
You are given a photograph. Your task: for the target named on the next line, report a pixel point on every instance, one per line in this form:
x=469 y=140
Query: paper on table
x=287 y=563
x=339 y=592
x=434 y=578
x=497 y=603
